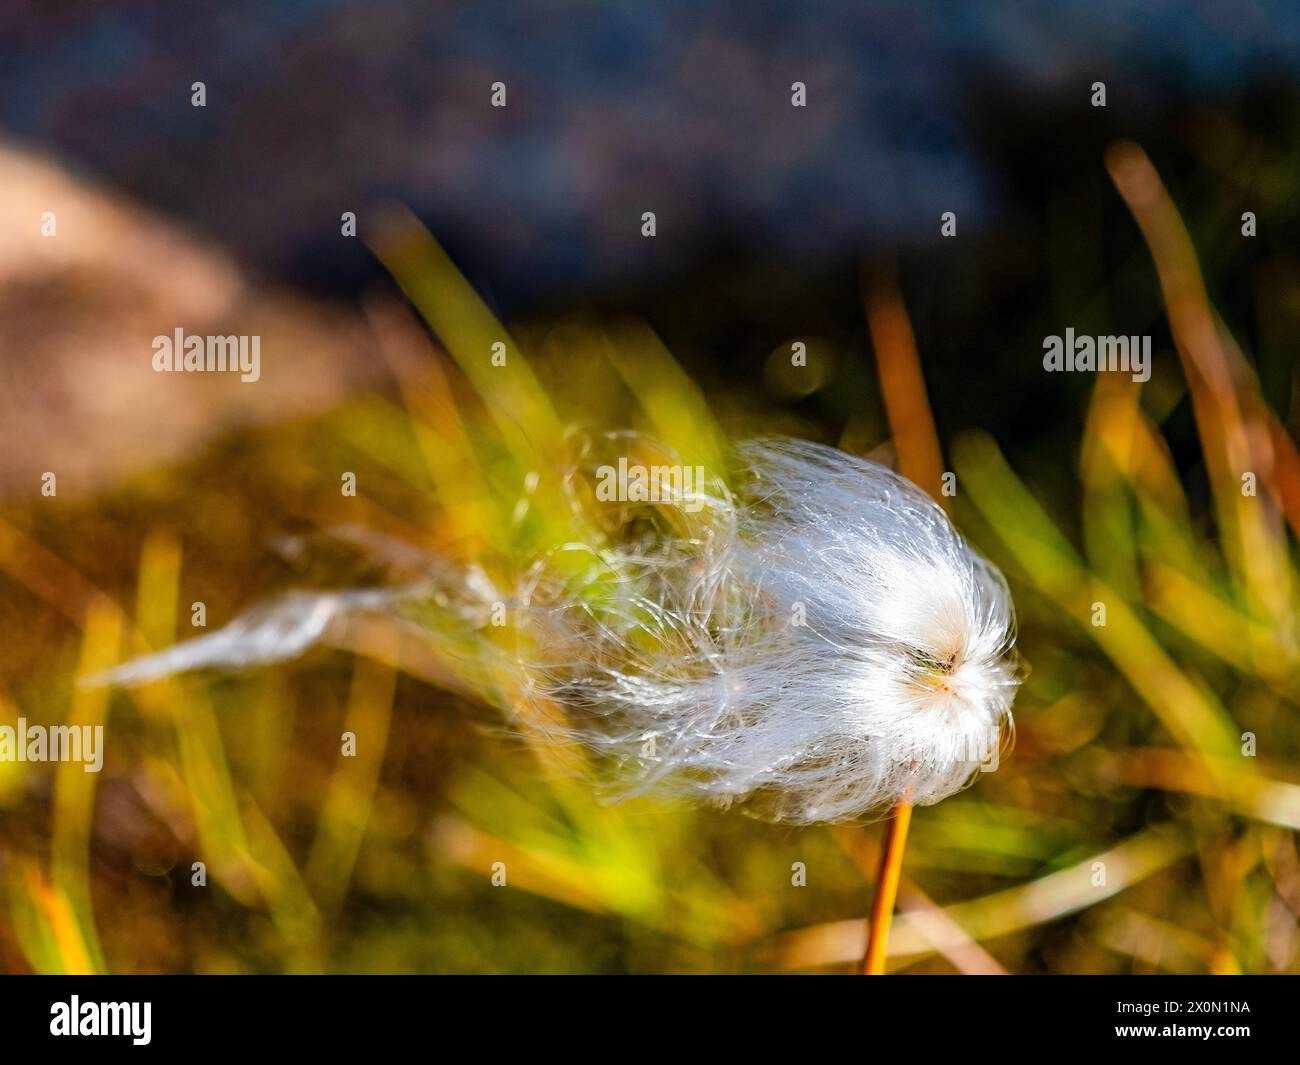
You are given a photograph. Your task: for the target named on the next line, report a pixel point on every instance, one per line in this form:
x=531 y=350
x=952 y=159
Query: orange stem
x=882 y=906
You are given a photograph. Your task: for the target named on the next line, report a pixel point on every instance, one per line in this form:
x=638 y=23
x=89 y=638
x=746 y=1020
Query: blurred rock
x=315 y=107
x=78 y=313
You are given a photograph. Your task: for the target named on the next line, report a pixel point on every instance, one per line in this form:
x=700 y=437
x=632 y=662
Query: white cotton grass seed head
x=823 y=647
x=814 y=644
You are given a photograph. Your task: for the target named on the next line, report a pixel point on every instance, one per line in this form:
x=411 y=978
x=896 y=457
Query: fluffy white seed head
x=821 y=646
x=816 y=645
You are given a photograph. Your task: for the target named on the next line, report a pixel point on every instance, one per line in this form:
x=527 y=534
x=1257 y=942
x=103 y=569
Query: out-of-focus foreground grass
x=1146 y=820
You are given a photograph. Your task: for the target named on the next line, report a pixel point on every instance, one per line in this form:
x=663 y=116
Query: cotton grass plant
x=801 y=635
x=820 y=647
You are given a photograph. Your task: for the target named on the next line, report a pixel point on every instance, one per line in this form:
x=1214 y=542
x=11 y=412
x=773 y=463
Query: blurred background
x=1161 y=748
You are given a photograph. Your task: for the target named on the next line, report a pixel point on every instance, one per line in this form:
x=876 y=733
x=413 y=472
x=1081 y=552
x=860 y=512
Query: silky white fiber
x=814 y=643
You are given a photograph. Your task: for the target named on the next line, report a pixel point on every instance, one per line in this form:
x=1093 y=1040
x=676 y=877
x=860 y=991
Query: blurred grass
x=1127 y=832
